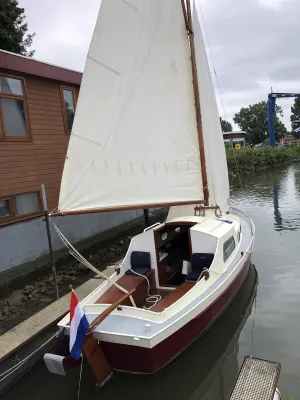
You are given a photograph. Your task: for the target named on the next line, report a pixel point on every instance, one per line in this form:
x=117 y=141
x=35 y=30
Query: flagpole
x=47 y=220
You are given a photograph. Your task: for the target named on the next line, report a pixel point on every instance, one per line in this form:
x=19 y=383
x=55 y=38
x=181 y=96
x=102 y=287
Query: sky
x=254 y=44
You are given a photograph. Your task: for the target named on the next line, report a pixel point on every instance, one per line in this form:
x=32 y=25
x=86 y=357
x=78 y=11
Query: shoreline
x=246 y=161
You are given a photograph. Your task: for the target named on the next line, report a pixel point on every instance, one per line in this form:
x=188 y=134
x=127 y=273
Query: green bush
x=249 y=160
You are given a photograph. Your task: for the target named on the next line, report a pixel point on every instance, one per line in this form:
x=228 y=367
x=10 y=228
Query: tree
x=295 y=116
x=254 y=121
x=13 y=29
x=226 y=126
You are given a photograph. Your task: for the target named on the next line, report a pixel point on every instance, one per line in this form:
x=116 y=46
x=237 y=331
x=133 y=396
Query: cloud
x=255 y=47
x=272 y=4
x=254 y=43
x=63 y=29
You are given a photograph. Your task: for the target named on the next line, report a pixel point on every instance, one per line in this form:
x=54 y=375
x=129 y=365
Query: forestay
x=134 y=140
x=215 y=157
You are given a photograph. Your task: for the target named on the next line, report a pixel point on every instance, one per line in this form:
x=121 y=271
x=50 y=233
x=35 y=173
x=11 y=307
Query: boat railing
x=246 y=216
x=152 y=226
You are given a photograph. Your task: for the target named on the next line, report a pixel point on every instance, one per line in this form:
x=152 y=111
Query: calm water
x=264 y=320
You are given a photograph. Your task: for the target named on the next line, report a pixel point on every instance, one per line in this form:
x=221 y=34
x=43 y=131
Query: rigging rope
x=221 y=98
x=154 y=299
x=85 y=262
x=80 y=376
x=14 y=368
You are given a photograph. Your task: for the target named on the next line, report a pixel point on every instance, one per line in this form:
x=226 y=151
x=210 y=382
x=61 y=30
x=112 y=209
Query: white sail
x=215 y=157
x=134 y=140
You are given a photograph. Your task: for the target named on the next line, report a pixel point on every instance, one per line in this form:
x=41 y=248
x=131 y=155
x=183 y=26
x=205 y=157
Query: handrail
x=109 y=309
x=152 y=226
x=247 y=217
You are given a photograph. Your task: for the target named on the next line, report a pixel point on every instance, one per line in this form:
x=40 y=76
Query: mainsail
x=134 y=141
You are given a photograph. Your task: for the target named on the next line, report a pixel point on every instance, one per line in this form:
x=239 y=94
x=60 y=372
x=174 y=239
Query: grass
x=249 y=160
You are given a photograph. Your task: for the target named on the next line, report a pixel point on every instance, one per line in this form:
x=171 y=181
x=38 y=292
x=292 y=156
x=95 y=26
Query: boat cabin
x=166 y=260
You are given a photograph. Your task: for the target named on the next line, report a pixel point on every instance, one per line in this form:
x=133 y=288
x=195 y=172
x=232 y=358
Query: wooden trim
x=22 y=97
x=189 y=27
x=16 y=138
x=96 y=360
x=72 y=89
x=25 y=217
x=122 y=208
x=178 y=223
x=12 y=76
x=162 y=278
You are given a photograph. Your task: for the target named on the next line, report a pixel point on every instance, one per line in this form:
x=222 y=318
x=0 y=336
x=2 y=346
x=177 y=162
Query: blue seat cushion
x=201 y=260
x=140 y=262
x=193 y=276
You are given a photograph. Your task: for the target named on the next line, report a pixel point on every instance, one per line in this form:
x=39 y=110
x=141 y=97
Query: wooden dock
x=20 y=335
x=28 y=336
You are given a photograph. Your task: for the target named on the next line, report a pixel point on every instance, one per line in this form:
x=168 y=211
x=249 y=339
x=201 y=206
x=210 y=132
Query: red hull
x=148 y=361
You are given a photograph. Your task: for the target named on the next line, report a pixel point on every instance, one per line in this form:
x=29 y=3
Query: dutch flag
x=79 y=327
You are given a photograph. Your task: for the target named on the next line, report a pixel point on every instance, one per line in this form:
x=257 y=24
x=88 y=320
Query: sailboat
x=147 y=134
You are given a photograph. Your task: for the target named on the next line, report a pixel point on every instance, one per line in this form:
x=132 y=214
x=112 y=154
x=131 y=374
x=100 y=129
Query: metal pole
x=146 y=217
x=47 y=220
x=271 y=116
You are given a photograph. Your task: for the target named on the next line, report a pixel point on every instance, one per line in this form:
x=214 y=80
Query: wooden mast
x=189 y=26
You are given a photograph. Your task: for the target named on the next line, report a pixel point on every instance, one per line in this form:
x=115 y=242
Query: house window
x=19 y=205
x=68 y=97
x=228 y=248
x=13 y=116
x=5 y=208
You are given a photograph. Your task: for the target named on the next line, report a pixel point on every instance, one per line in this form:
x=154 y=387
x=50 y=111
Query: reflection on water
x=277 y=214
x=271 y=330
x=269 y=191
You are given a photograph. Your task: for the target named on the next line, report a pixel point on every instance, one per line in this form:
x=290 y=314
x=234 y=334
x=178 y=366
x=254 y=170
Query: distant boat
x=147 y=134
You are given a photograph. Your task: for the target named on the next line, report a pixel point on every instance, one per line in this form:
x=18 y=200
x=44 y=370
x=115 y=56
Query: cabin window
x=228 y=248
x=13 y=113
x=239 y=234
x=15 y=207
x=68 y=96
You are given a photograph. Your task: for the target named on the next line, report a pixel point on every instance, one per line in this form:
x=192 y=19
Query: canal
x=264 y=319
